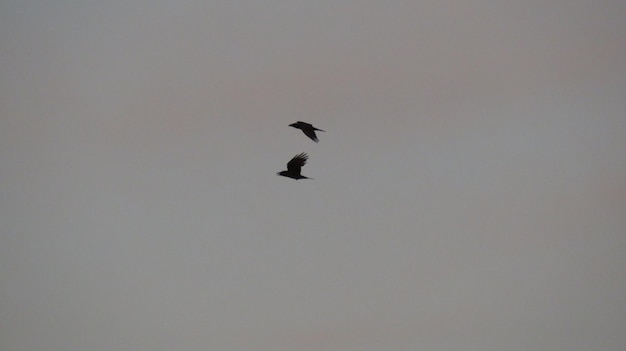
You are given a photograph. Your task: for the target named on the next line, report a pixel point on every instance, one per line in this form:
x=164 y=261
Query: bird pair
x=294 y=167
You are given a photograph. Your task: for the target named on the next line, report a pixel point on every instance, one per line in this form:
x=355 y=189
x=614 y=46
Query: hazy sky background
x=469 y=191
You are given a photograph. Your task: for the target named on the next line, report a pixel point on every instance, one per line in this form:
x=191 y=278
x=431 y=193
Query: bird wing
x=310 y=133
x=296 y=163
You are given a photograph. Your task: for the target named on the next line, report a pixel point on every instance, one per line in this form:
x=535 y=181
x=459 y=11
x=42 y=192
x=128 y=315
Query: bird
x=295 y=166
x=307 y=129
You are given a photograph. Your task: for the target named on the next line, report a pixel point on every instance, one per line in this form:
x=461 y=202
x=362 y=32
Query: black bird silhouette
x=307 y=128
x=295 y=166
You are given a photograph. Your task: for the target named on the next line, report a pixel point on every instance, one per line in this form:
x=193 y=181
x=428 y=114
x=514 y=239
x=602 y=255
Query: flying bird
x=295 y=166
x=307 y=129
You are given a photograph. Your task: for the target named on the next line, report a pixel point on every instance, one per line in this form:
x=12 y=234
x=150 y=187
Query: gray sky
x=469 y=190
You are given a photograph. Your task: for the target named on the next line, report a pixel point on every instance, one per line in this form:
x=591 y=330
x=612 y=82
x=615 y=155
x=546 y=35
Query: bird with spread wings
x=294 y=167
x=307 y=129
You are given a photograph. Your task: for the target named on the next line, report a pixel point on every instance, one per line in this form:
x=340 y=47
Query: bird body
x=294 y=167
x=307 y=129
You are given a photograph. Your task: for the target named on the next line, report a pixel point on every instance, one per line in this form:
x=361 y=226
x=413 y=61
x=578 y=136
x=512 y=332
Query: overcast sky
x=469 y=192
